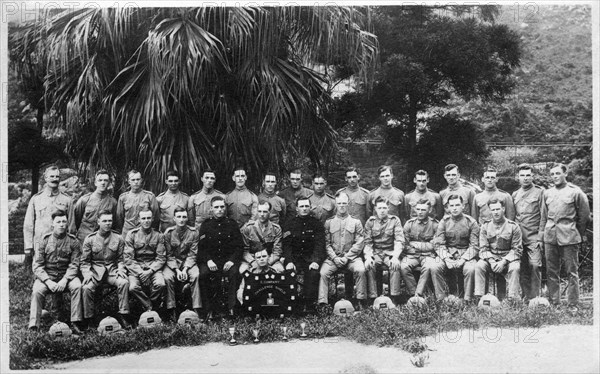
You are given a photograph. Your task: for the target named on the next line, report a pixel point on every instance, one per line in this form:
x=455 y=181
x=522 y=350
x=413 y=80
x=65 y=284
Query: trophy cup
x=285 y=338
x=255 y=333
x=303 y=335
x=232 y=332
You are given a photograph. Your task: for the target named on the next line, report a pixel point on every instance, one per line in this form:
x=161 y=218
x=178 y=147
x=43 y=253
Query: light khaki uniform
x=255 y=236
x=199 y=209
x=396 y=201
x=86 y=210
x=481 y=211
x=467 y=194
x=278 y=208
x=357 y=205
x=181 y=246
x=435 y=201
x=129 y=206
x=167 y=203
x=322 y=207
x=242 y=205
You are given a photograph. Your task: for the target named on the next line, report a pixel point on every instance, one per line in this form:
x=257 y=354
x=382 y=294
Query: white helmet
x=60 y=330
x=383 y=302
x=416 y=302
x=452 y=300
x=343 y=308
x=489 y=301
x=149 y=319
x=188 y=317
x=539 y=301
x=108 y=325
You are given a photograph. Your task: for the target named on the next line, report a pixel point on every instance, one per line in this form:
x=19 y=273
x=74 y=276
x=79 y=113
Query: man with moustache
x=132 y=202
x=199 y=209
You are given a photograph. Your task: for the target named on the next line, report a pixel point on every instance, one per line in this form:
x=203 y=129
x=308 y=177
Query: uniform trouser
x=531 y=271
x=431 y=268
x=157 y=290
x=89 y=291
x=569 y=255
x=466 y=274
x=172 y=283
x=38 y=298
x=395 y=276
x=311 y=281
x=356 y=266
x=210 y=285
x=277 y=266
x=511 y=273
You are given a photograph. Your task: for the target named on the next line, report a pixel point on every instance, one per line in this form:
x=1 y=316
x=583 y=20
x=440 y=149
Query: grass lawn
x=402 y=328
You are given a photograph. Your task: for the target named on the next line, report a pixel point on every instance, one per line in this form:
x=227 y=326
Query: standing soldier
x=480 y=209
x=344 y=241
x=500 y=248
x=171 y=199
x=241 y=202
x=87 y=207
x=422 y=192
x=457 y=242
x=293 y=192
x=199 y=209
x=55 y=267
x=132 y=202
x=38 y=219
x=304 y=248
x=357 y=206
x=145 y=256
x=181 y=245
x=565 y=214
x=102 y=261
x=278 y=208
x=264 y=234
x=322 y=204
x=384 y=242
x=220 y=251
x=393 y=195
x=420 y=252
x=452 y=176
x=528 y=202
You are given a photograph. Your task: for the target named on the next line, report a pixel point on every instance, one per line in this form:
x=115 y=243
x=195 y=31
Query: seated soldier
x=102 y=261
x=259 y=265
x=55 y=266
x=500 y=248
x=384 y=241
x=220 y=250
x=304 y=249
x=145 y=256
x=262 y=234
x=344 y=245
x=181 y=243
x=419 y=252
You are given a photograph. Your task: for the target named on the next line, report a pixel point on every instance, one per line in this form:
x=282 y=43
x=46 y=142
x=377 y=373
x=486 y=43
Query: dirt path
x=555 y=349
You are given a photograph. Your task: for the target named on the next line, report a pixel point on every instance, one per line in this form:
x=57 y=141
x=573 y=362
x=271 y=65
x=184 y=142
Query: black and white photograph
x=299 y=187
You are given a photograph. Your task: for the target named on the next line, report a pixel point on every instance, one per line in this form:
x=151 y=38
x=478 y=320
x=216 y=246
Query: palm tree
x=194 y=88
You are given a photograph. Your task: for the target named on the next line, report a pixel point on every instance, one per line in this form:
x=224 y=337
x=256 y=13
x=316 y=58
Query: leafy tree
x=193 y=88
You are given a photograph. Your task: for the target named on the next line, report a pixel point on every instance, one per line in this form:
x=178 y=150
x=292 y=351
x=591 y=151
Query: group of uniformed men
x=454 y=240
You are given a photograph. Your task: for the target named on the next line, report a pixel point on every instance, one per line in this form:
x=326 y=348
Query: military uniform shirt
x=220 y=241
x=129 y=206
x=242 y=205
x=322 y=207
x=86 y=210
x=278 y=208
x=102 y=254
x=500 y=241
x=395 y=199
x=38 y=218
x=256 y=235
x=344 y=237
x=144 y=250
x=384 y=237
x=413 y=197
x=528 y=205
x=357 y=205
x=57 y=257
x=457 y=237
x=467 y=194
x=181 y=246
x=419 y=236
x=481 y=211
x=303 y=240
x=199 y=208
x=565 y=214
x=167 y=203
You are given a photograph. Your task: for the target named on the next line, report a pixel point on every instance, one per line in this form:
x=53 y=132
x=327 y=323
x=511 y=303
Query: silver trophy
x=255 y=333
x=303 y=335
x=232 y=333
x=285 y=338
